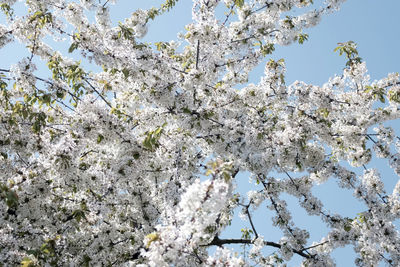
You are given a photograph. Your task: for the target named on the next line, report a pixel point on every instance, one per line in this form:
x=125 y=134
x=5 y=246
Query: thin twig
x=99 y=94
x=229 y=14
x=250 y=220
x=198 y=54
x=314 y=246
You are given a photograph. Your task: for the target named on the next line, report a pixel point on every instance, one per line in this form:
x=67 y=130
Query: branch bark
x=220 y=242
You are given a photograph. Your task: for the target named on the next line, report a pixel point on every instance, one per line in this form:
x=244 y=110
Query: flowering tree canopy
x=135 y=163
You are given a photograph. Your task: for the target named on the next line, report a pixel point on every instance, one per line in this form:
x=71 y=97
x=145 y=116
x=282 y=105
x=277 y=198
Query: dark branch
x=251 y=221
x=198 y=54
x=220 y=242
x=98 y=93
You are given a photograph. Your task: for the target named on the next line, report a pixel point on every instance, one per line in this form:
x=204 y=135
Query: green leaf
x=350 y=49
x=394 y=95
x=151 y=238
x=78 y=215
x=7 y=10
x=73 y=46
x=125 y=72
x=302 y=38
x=267 y=49
x=11 y=199
x=152 y=13
x=226 y=176
x=152 y=137
x=347 y=228
x=136 y=155
x=100 y=138
x=27 y=262
x=186 y=111
x=239 y=3
x=168 y=5
x=86 y=261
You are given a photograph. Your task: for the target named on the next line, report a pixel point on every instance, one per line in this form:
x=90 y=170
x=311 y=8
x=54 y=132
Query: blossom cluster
x=136 y=164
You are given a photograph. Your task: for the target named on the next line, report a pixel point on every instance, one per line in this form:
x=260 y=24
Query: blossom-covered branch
x=118 y=152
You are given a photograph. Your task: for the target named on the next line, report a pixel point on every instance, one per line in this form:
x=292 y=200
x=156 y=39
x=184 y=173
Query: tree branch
x=98 y=93
x=250 y=220
x=198 y=54
x=220 y=242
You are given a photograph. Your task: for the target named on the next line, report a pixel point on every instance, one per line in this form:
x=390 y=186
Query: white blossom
x=127 y=153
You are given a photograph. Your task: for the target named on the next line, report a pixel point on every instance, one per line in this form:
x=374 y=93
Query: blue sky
x=373 y=25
